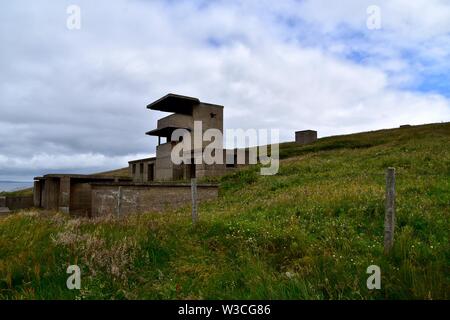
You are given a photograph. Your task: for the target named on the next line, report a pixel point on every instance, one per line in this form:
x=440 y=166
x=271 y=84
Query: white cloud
x=58 y=162
x=75 y=100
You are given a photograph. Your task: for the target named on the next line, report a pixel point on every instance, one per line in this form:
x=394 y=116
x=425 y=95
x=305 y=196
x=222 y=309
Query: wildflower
x=290 y=275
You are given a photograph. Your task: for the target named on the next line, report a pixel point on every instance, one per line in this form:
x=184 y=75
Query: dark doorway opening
x=150 y=172
x=192 y=169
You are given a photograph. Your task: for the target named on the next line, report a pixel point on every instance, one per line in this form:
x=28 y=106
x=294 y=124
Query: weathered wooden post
x=389 y=218
x=194 y=200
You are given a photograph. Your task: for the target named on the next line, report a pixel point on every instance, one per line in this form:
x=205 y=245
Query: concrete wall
x=163 y=164
x=130 y=199
x=305 y=136
x=18 y=202
x=64 y=194
x=213 y=170
x=51 y=194
x=68 y=193
x=139 y=170
x=80 y=199
x=210 y=115
x=176 y=120
x=46 y=193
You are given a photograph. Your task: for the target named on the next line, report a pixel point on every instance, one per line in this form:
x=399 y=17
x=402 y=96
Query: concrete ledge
x=153 y=184
x=4 y=210
x=81 y=176
x=64 y=209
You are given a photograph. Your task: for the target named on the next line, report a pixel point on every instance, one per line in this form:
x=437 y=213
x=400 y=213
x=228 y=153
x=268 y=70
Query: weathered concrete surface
x=142 y=170
x=164 y=165
x=185 y=112
x=55 y=192
x=37 y=194
x=51 y=193
x=80 y=199
x=19 y=202
x=4 y=211
x=176 y=120
x=64 y=194
x=305 y=136
x=120 y=200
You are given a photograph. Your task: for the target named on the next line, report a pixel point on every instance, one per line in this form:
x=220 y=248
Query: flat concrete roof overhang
x=164 y=132
x=142 y=160
x=82 y=177
x=178 y=104
x=174 y=103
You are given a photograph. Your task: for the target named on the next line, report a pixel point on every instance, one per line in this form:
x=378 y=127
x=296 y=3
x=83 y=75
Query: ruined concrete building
x=68 y=193
x=184 y=112
x=149 y=186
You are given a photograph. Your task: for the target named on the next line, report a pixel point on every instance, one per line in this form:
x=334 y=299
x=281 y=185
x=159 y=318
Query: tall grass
x=309 y=232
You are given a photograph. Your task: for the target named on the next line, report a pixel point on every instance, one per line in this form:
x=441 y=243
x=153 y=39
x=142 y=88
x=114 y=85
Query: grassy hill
x=18 y=193
x=309 y=232
x=122 y=172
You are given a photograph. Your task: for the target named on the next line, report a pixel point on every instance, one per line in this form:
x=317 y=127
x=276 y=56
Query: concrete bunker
x=305 y=136
x=150 y=184
x=69 y=193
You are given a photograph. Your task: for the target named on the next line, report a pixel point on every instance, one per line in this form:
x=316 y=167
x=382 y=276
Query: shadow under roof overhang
x=174 y=103
x=164 y=132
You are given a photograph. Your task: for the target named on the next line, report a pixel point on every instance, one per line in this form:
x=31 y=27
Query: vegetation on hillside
x=122 y=172
x=17 y=193
x=309 y=232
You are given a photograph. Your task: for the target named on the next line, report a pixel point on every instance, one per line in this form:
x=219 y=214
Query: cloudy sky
x=73 y=100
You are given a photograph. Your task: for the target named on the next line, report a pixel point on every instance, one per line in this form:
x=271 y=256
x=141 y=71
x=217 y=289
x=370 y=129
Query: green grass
x=18 y=193
x=309 y=232
x=122 y=173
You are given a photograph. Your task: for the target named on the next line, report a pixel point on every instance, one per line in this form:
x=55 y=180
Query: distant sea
x=14 y=185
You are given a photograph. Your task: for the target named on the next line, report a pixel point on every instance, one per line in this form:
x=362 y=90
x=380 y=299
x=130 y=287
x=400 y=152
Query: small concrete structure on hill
x=305 y=136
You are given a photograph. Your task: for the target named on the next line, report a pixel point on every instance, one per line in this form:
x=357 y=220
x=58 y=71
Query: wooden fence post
x=194 y=200
x=389 y=218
